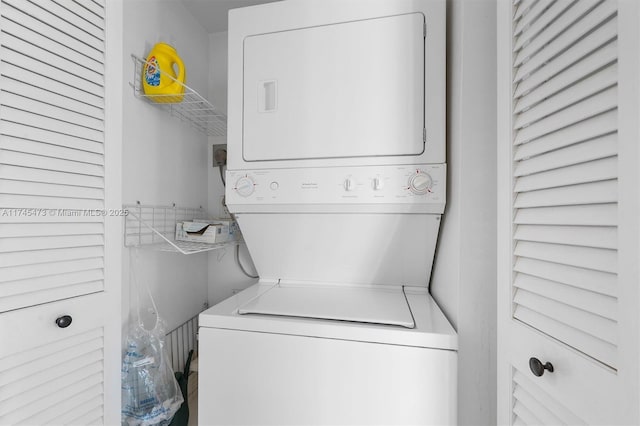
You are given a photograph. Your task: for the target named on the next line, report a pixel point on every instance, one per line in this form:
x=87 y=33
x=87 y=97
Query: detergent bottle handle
x=181 y=71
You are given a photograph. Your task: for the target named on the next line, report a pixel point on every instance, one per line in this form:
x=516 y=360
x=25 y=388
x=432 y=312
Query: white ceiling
x=212 y=14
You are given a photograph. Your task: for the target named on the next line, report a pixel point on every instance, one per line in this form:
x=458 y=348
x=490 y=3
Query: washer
x=288 y=370
x=341 y=328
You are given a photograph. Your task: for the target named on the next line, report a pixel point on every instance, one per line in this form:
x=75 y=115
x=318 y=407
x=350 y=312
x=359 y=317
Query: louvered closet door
x=51 y=151
x=52 y=231
x=564 y=204
x=52 y=375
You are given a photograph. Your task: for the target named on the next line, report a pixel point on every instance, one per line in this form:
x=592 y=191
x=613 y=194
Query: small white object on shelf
x=154 y=227
x=211 y=232
x=193 y=108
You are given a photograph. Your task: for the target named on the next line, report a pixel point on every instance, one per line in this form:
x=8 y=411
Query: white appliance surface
x=271 y=370
x=365 y=248
x=415 y=188
x=279 y=379
x=336 y=141
x=364 y=304
x=320 y=83
x=351 y=89
x=431 y=330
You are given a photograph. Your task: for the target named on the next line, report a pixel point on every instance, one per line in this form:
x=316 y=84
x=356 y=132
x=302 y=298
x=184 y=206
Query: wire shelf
x=191 y=108
x=154 y=227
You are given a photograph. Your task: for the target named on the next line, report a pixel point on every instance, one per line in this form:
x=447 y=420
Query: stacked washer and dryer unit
x=337 y=179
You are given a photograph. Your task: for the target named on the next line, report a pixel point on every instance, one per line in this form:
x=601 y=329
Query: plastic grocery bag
x=150 y=393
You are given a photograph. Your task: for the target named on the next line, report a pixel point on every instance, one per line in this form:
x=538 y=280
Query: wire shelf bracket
x=192 y=108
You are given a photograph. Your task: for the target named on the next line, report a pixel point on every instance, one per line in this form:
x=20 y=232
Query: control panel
x=407 y=185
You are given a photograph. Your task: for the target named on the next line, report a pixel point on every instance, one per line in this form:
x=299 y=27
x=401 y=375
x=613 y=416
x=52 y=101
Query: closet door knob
x=537 y=367
x=64 y=321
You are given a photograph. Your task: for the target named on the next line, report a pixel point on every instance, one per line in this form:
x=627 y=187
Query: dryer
x=337 y=178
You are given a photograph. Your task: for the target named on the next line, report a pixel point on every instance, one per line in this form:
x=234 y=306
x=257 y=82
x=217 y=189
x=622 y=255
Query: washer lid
x=364 y=304
x=432 y=330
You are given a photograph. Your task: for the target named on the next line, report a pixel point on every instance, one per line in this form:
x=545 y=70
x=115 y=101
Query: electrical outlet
x=219 y=155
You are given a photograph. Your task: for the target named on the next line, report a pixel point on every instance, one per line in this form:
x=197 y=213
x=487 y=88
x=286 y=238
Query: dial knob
x=245 y=186
x=377 y=184
x=348 y=184
x=420 y=183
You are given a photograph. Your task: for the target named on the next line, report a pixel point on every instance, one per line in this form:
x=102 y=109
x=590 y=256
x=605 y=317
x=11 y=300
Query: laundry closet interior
x=429 y=208
x=166 y=161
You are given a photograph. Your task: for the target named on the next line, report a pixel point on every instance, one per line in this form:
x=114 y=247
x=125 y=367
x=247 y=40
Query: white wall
x=164 y=159
x=225 y=276
x=464 y=276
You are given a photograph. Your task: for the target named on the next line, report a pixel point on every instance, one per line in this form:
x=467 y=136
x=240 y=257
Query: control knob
x=348 y=184
x=420 y=183
x=378 y=184
x=245 y=186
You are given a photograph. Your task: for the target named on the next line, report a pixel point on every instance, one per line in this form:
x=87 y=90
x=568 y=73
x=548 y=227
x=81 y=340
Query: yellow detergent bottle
x=159 y=79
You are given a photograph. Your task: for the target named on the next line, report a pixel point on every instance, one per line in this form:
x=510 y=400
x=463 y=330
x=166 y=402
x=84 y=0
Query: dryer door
x=353 y=89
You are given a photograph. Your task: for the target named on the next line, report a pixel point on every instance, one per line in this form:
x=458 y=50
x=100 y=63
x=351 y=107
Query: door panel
x=52 y=168
x=342 y=90
x=563 y=106
x=562 y=217
x=53 y=229
x=578 y=384
x=48 y=373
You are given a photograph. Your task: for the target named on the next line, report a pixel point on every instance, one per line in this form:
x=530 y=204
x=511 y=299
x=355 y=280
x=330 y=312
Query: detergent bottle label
x=152 y=72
